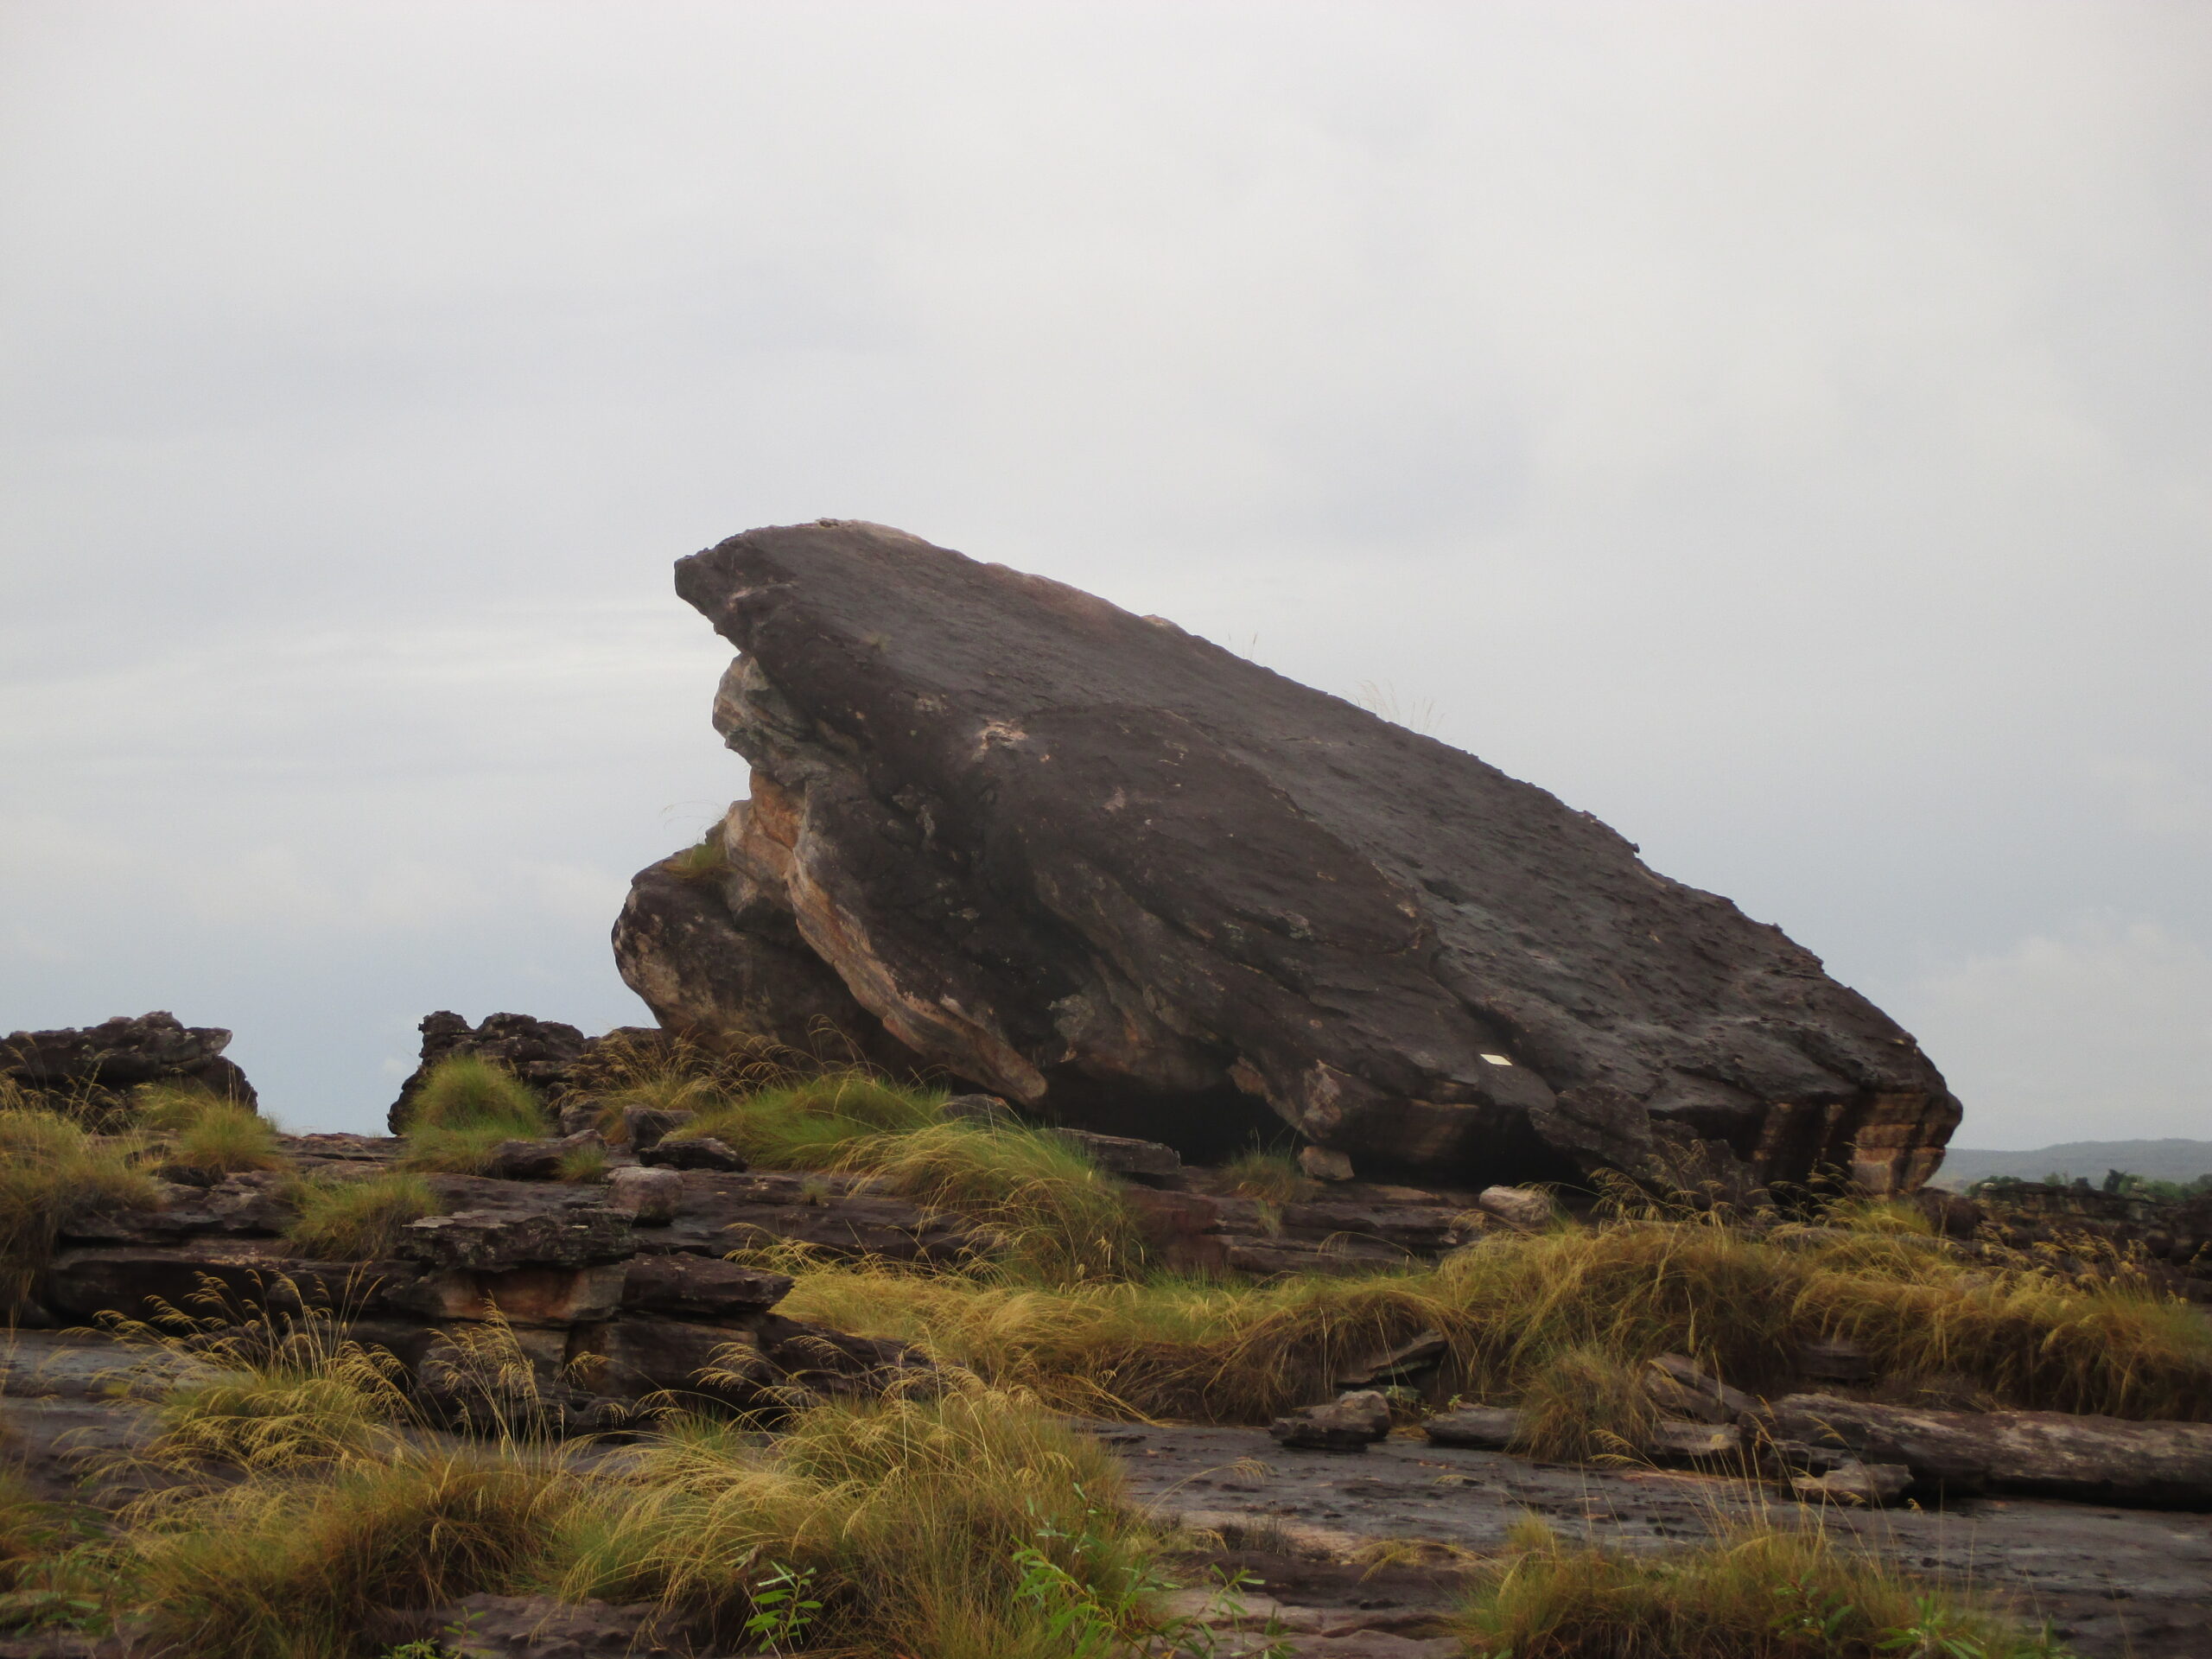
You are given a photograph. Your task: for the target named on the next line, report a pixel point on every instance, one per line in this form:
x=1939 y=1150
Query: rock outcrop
x=544 y=1053
x=88 y=1073
x=1131 y=881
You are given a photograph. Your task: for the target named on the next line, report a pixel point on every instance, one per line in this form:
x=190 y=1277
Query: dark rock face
x=1105 y=869
x=87 y=1072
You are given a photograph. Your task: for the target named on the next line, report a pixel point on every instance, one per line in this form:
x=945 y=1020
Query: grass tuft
x=1760 y=1593
x=354 y=1220
x=1511 y=1305
x=909 y=1513
x=466 y=1106
x=52 y=1172
x=227 y=1139
x=274 y=1568
x=1269 y=1175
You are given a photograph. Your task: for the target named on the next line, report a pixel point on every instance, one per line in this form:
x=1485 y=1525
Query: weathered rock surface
x=1106 y=870
x=1352 y=1422
x=87 y=1072
x=1491 y=1428
x=2048 y=1453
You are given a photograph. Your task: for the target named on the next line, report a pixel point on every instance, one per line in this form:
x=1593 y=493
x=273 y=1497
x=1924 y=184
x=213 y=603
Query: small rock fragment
x=651 y=1196
x=1118 y=1154
x=1417 y=1353
x=700 y=1286
x=1872 y=1483
x=1684 y=1389
x=689 y=1151
x=1672 y=1441
x=1323 y=1164
x=1487 y=1429
x=1350 y=1423
x=524 y=1160
x=1518 y=1206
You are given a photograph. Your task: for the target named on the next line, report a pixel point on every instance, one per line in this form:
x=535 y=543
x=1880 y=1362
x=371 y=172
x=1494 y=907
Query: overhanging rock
x=1097 y=866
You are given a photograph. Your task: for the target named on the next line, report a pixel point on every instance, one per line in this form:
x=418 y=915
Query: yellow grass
x=51 y=1172
x=1510 y=1305
x=909 y=1513
x=356 y=1220
x=1758 y=1593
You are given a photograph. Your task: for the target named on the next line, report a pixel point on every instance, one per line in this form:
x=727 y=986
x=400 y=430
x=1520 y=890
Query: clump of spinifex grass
x=466 y=1106
x=289 y=1568
x=213 y=1134
x=1511 y=1307
x=51 y=1173
x=1049 y=1206
x=813 y=1122
x=358 y=1220
x=909 y=1514
x=1053 y=1212
x=1758 y=1593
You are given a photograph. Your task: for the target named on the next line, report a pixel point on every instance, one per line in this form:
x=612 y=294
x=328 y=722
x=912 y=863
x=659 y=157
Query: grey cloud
x=1779 y=430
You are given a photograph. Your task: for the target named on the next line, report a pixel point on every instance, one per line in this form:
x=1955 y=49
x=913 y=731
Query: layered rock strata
x=1132 y=883
x=89 y=1073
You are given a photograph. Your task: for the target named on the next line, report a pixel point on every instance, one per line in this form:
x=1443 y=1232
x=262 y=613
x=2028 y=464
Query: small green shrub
x=343 y=1220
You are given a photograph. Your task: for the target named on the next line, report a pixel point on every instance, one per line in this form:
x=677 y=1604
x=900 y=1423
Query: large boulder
x=1101 y=868
x=89 y=1073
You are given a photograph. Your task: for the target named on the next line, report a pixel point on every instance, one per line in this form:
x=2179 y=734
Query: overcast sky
x=1781 y=429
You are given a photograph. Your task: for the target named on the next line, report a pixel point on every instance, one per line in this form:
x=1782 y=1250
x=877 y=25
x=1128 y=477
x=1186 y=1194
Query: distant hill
x=2158 y=1160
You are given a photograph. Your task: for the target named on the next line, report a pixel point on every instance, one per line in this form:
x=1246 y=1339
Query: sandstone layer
x=1112 y=872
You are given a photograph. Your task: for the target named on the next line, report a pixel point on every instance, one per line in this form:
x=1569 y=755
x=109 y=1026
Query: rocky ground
x=1356 y=1553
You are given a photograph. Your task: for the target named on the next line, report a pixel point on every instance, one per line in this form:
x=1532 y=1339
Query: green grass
x=1760 y=1593
x=212 y=1133
x=51 y=1173
x=466 y=1107
x=227 y=1139
x=1045 y=1205
x=815 y=1123
x=355 y=1220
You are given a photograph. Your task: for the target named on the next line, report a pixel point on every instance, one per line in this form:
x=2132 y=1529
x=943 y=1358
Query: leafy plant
x=781 y=1609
